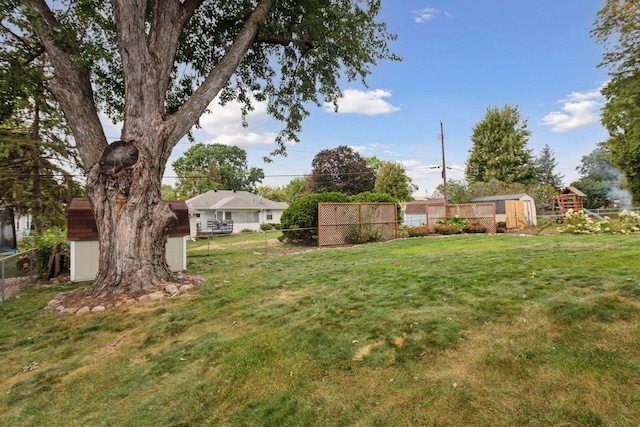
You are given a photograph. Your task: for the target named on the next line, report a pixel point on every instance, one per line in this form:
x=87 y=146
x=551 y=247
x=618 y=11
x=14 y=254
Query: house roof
x=500 y=197
x=418 y=207
x=232 y=200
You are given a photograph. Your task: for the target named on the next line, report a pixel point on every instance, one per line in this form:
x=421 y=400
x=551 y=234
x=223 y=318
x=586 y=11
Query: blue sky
x=459 y=58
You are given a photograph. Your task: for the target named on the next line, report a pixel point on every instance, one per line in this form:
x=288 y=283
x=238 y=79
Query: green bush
x=300 y=220
x=266 y=227
x=302 y=214
x=366 y=234
x=43 y=243
x=453 y=225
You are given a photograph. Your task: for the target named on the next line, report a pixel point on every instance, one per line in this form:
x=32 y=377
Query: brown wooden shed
x=82 y=234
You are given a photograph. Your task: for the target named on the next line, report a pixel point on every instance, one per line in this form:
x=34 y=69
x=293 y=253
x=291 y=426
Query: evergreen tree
x=500 y=148
x=545 y=166
x=33 y=181
x=37 y=156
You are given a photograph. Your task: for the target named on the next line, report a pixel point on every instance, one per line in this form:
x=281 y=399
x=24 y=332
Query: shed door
x=514 y=210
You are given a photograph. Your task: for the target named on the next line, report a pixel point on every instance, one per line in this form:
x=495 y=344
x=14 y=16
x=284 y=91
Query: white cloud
x=250 y=139
x=222 y=120
x=428 y=13
x=579 y=109
x=370 y=102
x=358 y=148
x=223 y=125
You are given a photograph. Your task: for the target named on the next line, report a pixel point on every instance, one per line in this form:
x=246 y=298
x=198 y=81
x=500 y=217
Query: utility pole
x=444 y=173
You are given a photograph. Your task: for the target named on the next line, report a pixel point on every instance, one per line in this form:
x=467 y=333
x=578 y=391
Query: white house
x=514 y=210
x=231 y=211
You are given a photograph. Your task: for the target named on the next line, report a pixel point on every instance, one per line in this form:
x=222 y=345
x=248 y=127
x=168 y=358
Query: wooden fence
x=342 y=223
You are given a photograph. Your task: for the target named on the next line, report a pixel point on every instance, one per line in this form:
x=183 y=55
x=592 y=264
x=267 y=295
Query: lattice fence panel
x=480 y=213
x=338 y=221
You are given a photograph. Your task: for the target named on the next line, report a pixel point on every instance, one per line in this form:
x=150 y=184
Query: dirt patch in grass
x=365 y=351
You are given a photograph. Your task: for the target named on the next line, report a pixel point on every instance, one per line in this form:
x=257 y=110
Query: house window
x=269 y=215
x=225 y=216
x=198 y=226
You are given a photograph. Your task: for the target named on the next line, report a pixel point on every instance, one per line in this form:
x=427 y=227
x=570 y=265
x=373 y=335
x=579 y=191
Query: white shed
x=515 y=210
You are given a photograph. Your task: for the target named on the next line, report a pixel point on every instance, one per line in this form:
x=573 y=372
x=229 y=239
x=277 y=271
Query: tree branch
x=71 y=85
x=189 y=113
x=284 y=40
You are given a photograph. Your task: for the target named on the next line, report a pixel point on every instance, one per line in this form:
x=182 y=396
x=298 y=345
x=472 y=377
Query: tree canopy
x=618 y=29
x=340 y=170
x=204 y=167
x=499 y=148
x=392 y=179
x=155 y=66
x=287 y=193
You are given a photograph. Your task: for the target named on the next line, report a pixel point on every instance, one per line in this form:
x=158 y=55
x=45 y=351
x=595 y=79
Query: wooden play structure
x=569 y=198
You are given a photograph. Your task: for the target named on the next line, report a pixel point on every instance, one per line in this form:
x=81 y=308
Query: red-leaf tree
x=155 y=66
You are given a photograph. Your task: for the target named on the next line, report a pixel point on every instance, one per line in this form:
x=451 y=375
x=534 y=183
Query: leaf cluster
x=599 y=179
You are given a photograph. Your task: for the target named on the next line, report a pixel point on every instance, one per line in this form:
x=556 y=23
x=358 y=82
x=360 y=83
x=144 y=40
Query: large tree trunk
x=133 y=222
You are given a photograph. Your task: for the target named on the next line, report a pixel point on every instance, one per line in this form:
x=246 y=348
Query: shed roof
x=240 y=200
x=82 y=222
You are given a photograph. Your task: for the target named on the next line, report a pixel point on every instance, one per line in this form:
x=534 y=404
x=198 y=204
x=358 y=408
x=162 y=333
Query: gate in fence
x=341 y=223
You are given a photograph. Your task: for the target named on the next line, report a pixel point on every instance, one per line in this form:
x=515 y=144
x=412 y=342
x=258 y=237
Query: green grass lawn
x=438 y=331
